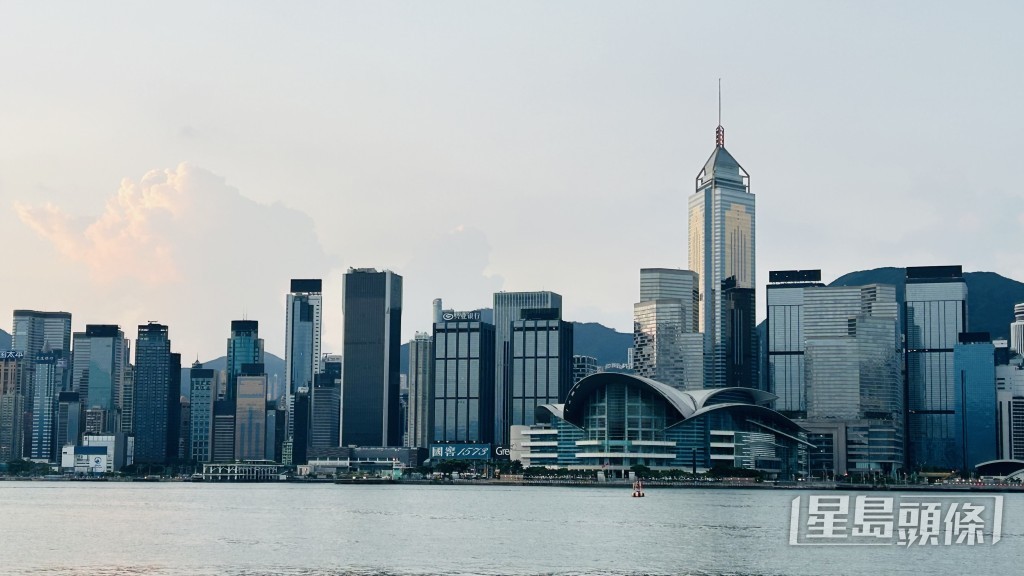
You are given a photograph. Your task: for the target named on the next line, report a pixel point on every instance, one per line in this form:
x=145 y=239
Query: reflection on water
x=326 y=530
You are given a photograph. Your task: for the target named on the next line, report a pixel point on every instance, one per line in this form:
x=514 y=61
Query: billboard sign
x=460 y=452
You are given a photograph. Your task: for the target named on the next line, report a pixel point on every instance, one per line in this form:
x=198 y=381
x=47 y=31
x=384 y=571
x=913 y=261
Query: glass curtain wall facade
x=583 y=366
x=975 y=402
x=250 y=417
x=372 y=344
x=852 y=375
x=666 y=344
x=244 y=347
x=35 y=332
x=324 y=429
x=303 y=328
x=420 y=423
x=541 y=362
x=100 y=356
x=935 y=313
x=721 y=220
x=508 y=307
x=202 y=394
x=463 y=397
x=152 y=391
x=785 y=338
x=12 y=410
x=50 y=377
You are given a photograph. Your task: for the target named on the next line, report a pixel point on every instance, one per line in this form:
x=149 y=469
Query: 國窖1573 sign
x=460 y=451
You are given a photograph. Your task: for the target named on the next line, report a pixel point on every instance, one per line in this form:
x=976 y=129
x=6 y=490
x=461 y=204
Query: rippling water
x=49 y=528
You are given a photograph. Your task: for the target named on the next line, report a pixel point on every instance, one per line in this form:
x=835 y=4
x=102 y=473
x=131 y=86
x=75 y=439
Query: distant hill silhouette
x=990 y=297
x=589 y=339
x=273 y=365
x=5 y=340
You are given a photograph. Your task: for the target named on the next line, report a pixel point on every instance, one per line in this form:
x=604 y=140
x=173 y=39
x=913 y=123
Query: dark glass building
x=784 y=347
x=244 y=347
x=372 y=343
x=463 y=399
x=326 y=404
x=541 y=362
x=975 y=402
x=152 y=412
x=934 y=315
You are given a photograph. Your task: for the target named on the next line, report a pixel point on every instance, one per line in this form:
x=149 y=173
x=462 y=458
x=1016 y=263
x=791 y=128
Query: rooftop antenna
x=720 y=132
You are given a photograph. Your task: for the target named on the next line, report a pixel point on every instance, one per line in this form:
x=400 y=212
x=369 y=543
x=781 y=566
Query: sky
x=180 y=162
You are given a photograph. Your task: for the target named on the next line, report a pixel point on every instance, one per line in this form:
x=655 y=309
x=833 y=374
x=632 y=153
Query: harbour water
x=115 y=528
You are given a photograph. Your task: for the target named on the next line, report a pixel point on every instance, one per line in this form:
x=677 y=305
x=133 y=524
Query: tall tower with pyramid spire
x=721 y=250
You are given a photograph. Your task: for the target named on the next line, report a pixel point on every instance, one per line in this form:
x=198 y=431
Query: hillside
x=990 y=297
x=273 y=365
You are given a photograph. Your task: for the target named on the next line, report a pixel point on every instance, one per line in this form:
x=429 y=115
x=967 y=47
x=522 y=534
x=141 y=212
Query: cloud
x=182 y=247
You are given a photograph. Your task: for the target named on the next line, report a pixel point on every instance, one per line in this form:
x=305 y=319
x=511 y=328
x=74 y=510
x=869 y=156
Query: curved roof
x=687 y=403
x=999 y=467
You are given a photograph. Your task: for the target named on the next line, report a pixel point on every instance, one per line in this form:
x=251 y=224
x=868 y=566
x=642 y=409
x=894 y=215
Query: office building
x=69 y=419
x=1010 y=411
x=853 y=389
x=721 y=252
x=540 y=362
x=296 y=450
x=666 y=344
x=244 y=347
x=223 y=440
x=35 y=331
x=1017 y=329
x=419 y=422
x=463 y=398
x=50 y=379
x=583 y=366
x=303 y=327
x=372 y=344
x=250 y=413
x=935 y=313
x=12 y=407
x=975 y=400
x=99 y=358
x=202 y=393
x=508 y=307
x=152 y=411
x=784 y=346
x=325 y=417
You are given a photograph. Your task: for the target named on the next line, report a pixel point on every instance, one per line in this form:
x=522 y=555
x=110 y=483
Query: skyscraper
x=666 y=344
x=421 y=390
x=12 y=408
x=50 y=377
x=152 y=412
x=463 y=387
x=251 y=413
x=975 y=401
x=33 y=332
x=583 y=366
x=853 y=392
x=325 y=412
x=303 y=327
x=785 y=338
x=244 y=347
x=1017 y=329
x=372 y=343
x=540 y=367
x=508 y=307
x=721 y=252
x=202 y=393
x=99 y=358
x=935 y=313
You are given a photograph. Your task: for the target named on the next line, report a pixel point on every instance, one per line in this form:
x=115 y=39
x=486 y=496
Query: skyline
x=218 y=152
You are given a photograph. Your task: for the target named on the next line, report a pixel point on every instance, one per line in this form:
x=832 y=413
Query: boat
x=638 y=488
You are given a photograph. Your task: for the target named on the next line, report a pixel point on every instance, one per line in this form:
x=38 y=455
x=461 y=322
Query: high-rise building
x=784 y=344
x=303 y=327
x=935 y=313
x=419 y=423
x=12 y=407
x=508 y=307
x=152 y=389
x=1017 y=329
x=202 y=393
x=666 y=344
x=721 y=252
x=244 y=347
x=975 y=399
x=50 y=377
x=250 y=413
x=540 y=357
x=33 y=332
x=296 y=450
x=1010 y=414
x=582 y=366
x=463 y=398
x=372 y=344
x=852 y=374
x=69 y=419
x=223 y=439
x=99 y=358
x=325 y=417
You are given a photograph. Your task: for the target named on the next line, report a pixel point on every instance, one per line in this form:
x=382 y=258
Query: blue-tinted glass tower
x=152 y=412
x=975 y=402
